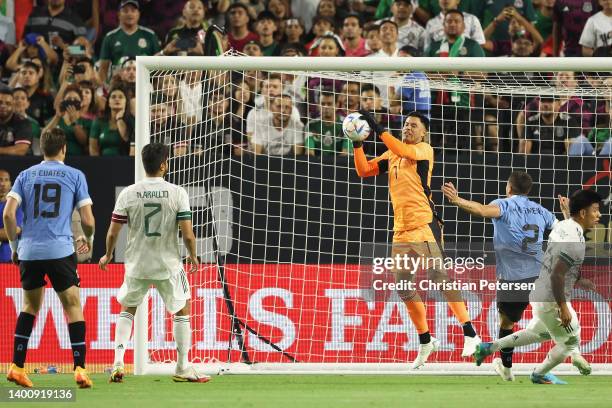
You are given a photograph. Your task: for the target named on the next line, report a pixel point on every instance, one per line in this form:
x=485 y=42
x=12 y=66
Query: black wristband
x=357 y=144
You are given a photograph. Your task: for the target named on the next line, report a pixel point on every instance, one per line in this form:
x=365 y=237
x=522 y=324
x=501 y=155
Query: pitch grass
x=319 y=391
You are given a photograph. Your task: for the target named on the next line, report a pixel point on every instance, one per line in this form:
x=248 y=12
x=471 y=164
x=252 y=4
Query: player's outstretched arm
x=471 y=207
x=111 y=240
x=564 y=204
x=190 y=243
x=395 y=145
x=9 y=216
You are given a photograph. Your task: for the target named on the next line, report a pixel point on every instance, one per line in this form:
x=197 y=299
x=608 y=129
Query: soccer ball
x=355 y=128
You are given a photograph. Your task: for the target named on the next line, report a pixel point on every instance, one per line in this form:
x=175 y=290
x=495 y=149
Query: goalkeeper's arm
x=365 y=167
x=471 y=207
x=399 y=148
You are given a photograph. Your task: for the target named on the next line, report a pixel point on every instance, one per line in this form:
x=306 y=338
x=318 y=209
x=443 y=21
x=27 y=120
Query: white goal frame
x=146 y=64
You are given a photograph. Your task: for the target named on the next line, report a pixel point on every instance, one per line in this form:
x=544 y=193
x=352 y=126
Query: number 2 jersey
x=152 y=209
x=518 y=235
x=48 y=193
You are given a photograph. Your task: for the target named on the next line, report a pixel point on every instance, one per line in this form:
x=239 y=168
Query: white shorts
x=174 y=291
x=546 y=321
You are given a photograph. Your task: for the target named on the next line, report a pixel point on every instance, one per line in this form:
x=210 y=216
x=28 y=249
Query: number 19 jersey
x=48 y=193
x=152 y=209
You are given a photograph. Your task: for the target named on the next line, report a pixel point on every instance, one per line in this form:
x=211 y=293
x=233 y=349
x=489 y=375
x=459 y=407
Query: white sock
x=519 y=338
x=555 y=356
x=123 y=331
x=181 y=328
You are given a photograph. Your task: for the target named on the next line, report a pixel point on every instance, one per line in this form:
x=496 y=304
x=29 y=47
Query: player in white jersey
x=154 y=211
x=553 y=315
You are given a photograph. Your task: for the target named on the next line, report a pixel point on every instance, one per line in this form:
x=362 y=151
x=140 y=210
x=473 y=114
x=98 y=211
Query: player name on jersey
x=152 y=194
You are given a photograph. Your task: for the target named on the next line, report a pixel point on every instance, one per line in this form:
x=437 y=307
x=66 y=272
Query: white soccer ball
x=355 y=128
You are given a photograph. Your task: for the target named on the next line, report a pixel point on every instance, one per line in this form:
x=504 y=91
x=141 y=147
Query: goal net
x=289 y=235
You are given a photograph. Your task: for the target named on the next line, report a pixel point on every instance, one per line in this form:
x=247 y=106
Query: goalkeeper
x=417 y=227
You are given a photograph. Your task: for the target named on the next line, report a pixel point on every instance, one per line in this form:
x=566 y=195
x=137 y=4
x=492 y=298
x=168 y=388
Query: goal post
x=285 y=239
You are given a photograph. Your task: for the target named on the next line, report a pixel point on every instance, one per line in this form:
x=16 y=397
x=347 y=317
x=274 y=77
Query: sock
x=123 y=332
x=461 y=313
x=468 y=329
x=418 y=315
x=23 y=330
x=424 y=338
x=181 y=329
x=76 y=330
x=520 y=338
x=555 y=356
x=506 y=353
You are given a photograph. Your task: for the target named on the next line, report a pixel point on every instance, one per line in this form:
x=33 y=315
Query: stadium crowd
x=71 y=64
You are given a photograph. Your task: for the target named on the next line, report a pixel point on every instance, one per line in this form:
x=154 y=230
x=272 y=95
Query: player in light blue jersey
x=48 y=193
x=519 y=226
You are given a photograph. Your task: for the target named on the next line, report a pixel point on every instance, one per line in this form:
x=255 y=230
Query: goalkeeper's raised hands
x=376 y=127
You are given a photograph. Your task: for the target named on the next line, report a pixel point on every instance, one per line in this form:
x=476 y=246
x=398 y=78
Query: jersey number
x=155 y=208
x=51 y=194
x=530 y=240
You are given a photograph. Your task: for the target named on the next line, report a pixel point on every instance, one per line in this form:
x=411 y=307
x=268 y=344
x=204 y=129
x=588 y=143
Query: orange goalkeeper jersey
x=409 y=168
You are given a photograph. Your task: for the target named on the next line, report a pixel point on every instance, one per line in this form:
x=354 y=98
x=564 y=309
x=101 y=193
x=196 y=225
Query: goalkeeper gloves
x=377 y=128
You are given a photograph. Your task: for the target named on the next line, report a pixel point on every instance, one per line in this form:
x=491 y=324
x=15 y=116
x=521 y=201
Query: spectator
x=112 y=134
x=280 y=9
x=320 y=27
x=372 y=36
x=281 y=134
x=409 y=31
x=330 y=45
x=21 y=104
x=349 y=99
x=294 y=31
x=599 y=139
x=354 y=43
x=414 y=91
x=323 y=136
x=293 y=50
x=192 y=29
x=15 y=131
x=220 y=138
x=487 y=10
x=32 y=46
x=306 y=10
x=569 y=19
x=266 y=27
x=7 y=31
x=425 y=10
x=5 y=187
x=548 y=131
x=129 y=39
x=518 y=28
x=242 y=103
x=327 y=8
x=68 y=118
x=89 y=12
x=41 y=102
x=598 y=30
x=367 y=8
x=455 y=43
x=253 y=49
x=77 y=69
x=388 y=32
x=165 y=89
x=90 y=105
x=126 y=79
x=434 y=30
x=238 y=33
x=58 y=24
x=372 y=102
x=544 y=25
x=190 y=97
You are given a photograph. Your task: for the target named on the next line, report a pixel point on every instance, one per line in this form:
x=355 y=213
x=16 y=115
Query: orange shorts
x=426 y=233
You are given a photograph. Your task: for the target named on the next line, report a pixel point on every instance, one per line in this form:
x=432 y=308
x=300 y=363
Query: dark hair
x=327 y=93
x=93 y=106
x=422 y=117
x=372 y=26
x=582 y=199
x=238 y=5
x=52 y=142
x=388 y=21
x=266 y=15
x=454 y=11
x=369 y=87
x=153 y=155
x=520 y=182
x=410 y=50
x=5 y=90
x=297 y=47
x=354 y=15
x=30 y=64
x=73 y=88
x=19 y=89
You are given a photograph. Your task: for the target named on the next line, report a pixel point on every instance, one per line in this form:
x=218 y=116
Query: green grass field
x=297 y=391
